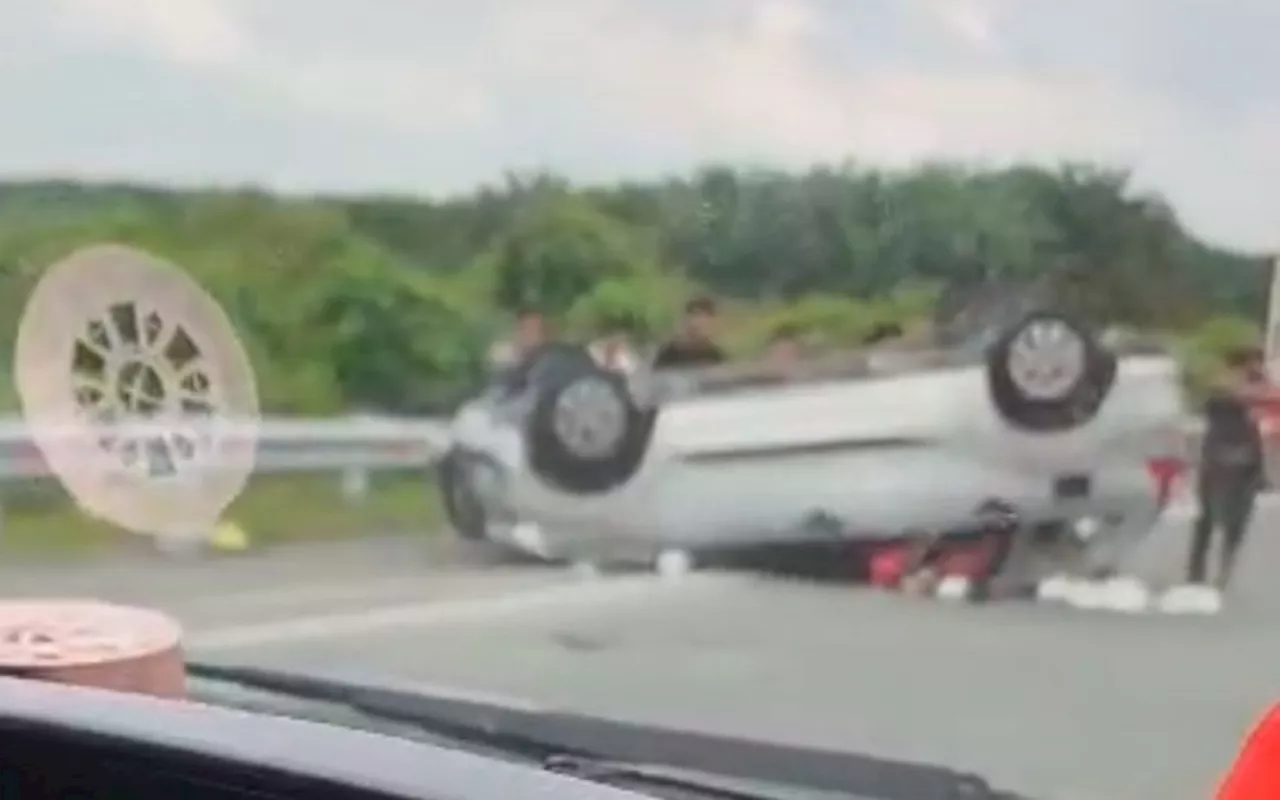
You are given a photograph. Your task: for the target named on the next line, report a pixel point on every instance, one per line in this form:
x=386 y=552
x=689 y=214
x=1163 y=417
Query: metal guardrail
x=352 y=448
x=340 y=444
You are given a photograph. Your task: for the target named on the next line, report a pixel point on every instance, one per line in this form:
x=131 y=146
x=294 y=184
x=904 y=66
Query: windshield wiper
x=647 y=777
x=639 y=757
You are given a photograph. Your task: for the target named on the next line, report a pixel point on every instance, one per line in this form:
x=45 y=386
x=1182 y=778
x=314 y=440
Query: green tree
x=384 y=301
x=556 y=251
x=644 y=305
x=1204 y=348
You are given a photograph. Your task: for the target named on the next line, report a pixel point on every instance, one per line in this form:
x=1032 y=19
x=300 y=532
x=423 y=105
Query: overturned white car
x=1077 y=439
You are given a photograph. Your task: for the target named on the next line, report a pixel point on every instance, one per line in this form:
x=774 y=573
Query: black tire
x=553 y=459
x=1069 y=394
x=556 y=362
x=462 y=507
x=546 y=366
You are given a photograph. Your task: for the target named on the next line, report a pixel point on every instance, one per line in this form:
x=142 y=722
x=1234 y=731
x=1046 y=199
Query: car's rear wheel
x=462 y=505
x=586 y=434
x=1049 y=373
x=555 y=362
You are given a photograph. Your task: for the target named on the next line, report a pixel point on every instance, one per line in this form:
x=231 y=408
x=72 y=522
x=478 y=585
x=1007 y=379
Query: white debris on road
x=1129 y=595
x=953 y=588
x=674 y=563
x=1191 y=599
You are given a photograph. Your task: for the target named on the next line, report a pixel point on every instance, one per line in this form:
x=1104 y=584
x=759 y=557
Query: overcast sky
x=434 y=96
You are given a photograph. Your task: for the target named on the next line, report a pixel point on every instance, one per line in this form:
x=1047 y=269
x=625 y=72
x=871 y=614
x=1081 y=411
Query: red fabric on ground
x=888 y=565
x=889 y=562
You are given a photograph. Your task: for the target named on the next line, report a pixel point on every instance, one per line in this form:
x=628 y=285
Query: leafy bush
x=1203 y=348
x=644 y=305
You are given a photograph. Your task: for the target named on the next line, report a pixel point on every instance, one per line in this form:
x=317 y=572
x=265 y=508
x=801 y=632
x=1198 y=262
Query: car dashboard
x=58 y=742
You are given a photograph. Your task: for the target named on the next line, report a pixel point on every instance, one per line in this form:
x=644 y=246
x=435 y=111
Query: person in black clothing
x=785 y=348
x=531 y=331
x=883 y=332
x=695 y=346
x=508 y=360
x=1231 y=464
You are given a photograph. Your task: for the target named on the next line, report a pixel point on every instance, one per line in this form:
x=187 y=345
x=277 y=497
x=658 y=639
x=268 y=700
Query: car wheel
x=461 y=504
x=586 y=434
x=554 y=362
x=1049 y=373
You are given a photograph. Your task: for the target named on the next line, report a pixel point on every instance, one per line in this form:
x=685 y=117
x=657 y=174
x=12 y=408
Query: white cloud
x=195 y=32
x=370 y=89
x=974 y=21
x=382 y=93
x=745 y=86
x=785 y=22
x=765 y=88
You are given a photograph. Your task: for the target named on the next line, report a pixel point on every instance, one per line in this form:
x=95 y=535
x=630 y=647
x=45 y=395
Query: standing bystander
x=695 y=345
x=1231 y=464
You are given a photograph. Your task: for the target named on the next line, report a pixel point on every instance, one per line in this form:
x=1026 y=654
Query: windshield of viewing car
x=886 y=378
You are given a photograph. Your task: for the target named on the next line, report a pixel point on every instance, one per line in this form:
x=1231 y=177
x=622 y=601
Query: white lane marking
x=591 y=595
x=368 y=588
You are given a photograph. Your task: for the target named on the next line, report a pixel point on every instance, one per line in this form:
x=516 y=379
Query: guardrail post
x=355 y=484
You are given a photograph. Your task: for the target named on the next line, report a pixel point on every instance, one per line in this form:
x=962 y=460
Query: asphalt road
x=1061 y=704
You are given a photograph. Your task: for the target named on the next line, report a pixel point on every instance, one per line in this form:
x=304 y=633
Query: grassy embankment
x=42 y=523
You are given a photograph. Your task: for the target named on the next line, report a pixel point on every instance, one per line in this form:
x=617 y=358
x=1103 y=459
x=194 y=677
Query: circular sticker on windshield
x=88 y=643
x=137 y=392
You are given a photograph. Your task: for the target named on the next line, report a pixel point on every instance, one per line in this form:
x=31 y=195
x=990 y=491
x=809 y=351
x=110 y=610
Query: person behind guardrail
x=785 y=352
x=785 y=347
x=531 y=331
x=1231 y=464
x=882 y=334
x=885 y=346
x=695 y=344
x=613 y=350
